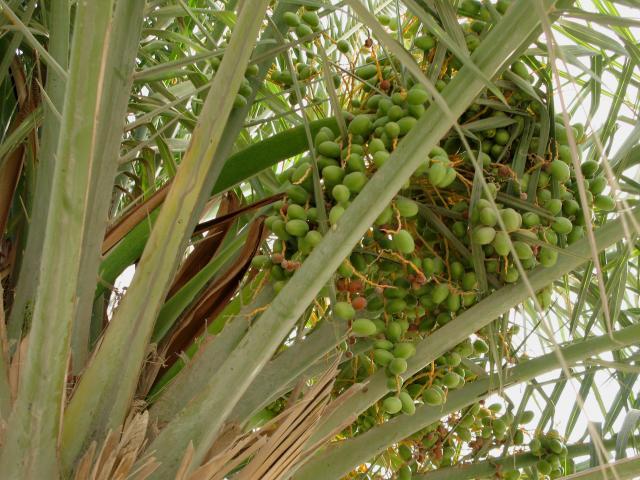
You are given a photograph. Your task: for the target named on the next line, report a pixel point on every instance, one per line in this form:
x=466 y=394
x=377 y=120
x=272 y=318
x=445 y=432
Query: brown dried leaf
x=237 y=453
x=213 y=300
x=84 y=466
x=119 y=453
x=206 y=248
x=284 y=449
x=183 y=471
x=147 y=467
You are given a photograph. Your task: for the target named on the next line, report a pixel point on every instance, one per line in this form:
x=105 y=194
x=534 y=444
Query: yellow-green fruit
x=344 y=310
x=406 y=124
x=526 y=417
x=403 y=242
x=488 y=217
x=296 y=212
x=523 y=251
x=382 y=357
x=499 y=426
x=483 y=235
x=548 y=257
x=502 y=137
x=404 y=350
x=559 y=171
x=355 y=181
x=385 y=217
x=520 y=69
x=512 y=219
x=562 y=225
x=405 y=472
x=366 y=72
x=417 y=96
x=543 y=467
x=440 y=293
x=335 y=213
x=433 y=396
x=604 y=202
x=511 y=475
x=363 y=327
x=343 y=46
x=598 y=185
x=313 y=238
x=311 y=19
x=329 y=149
x=302 y=175
x=510 y=275
x=405 y=452
x=260 y=261
x=340 y=193
x=501 y=243
x=239 y=101
x=480 y=346
x=553 y=205
x=297 y=228
x=360 y=125
x=406 y=207
x=392 y=405
x=555 y=446
x=398 y=366
x=518 y=437
x=425 y=42
x=376 y=145
x=589 y=168
x=392 y=129
x=395 y=305
x=332 y=175
x=408 y=406
x=383 y=344
x=449 y=177
x=291 y=19
x=393 y=331
x=564 y=153
x=437 y=172
x=380 y=157
x=451 y=380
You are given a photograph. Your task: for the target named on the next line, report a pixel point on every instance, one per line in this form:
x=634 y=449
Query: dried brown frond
x=119 y=453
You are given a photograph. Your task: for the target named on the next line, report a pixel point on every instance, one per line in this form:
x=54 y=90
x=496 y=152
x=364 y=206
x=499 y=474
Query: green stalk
x=124 y=39
x=255 y=349
x=103 y=395
x=32 y=259
x=30 y=446
x=339 y=459
x=281 y=374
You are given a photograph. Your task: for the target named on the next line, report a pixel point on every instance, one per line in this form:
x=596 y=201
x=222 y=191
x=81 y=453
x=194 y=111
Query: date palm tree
x=158 y=322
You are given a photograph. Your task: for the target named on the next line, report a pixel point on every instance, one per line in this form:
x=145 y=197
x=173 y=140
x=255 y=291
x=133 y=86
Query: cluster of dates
x=413 y=271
